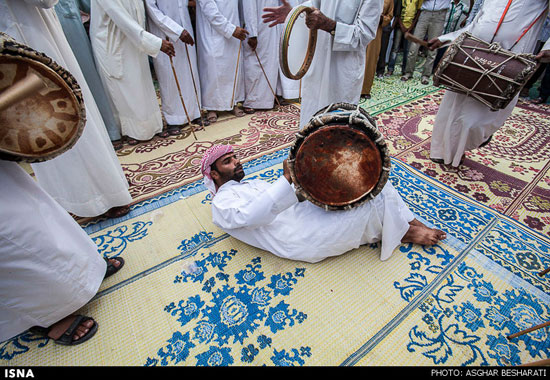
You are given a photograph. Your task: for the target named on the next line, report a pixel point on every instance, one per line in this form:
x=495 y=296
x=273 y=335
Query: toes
x=114 y=262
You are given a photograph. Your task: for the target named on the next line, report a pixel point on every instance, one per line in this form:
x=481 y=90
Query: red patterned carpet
x=510 y=174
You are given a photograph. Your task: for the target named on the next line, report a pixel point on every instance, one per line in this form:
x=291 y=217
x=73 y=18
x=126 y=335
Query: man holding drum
x=337 y=71
x=462 y=122
x=270 y=217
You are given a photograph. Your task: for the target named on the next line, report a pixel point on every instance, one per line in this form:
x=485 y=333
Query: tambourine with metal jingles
x=340 y=159
x=298 y=43
x=42 y=111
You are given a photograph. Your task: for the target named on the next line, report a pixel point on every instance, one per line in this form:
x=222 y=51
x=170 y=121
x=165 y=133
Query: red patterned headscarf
x=209 y=157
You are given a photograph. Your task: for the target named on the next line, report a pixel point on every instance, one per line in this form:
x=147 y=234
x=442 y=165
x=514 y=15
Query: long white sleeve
x=357 y=35
x=142 y=39
x=216 y=19
x=169 y=27
x=230 y=211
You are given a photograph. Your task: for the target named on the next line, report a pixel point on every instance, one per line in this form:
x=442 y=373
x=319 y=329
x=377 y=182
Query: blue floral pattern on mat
x=113 y=243
x=225 y=318
x=478 y=328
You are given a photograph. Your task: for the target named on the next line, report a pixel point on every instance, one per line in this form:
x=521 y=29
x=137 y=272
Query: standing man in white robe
x=219 y=36
x=121 y=48
x=170 y=18
x=87 y=180
x=263 y=41
x=336 y=73
x=49 y=266
x=269 y=216
x=463 y=123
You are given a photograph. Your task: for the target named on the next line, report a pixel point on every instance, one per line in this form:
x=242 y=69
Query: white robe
x=218 y=50
x=121 y=46
x=258 y=93
x=338 y=67
x=269 y=217
x=170 y=18
x=87 y=180
x=49 y=267
x=463 y=123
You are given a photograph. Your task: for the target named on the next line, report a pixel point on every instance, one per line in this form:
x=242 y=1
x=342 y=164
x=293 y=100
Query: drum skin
x=484 y=71
x=340 y=159
x=47 y=123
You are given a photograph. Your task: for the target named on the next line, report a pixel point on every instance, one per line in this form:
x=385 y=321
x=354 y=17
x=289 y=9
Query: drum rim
x=283 y=51
x=10 y=48
x=321 y=120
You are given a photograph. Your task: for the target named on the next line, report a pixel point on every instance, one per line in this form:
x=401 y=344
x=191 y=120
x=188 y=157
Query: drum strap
x=524 y=32
x=501 y=19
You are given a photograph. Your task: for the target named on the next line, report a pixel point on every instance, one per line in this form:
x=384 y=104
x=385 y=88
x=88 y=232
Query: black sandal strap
x=111 y=269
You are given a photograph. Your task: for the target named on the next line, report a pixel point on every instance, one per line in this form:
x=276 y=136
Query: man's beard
x=237 y=175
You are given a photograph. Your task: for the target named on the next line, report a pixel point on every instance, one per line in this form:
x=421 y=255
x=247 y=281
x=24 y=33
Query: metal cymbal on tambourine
x=340 y=159
x=42 y=111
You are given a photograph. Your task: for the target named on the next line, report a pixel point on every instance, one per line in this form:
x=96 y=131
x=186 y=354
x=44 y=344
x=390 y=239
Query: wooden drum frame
x=285 y=45
x=42 y=112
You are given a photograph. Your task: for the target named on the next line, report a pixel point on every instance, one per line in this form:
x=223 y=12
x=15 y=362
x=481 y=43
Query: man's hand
x=186 y=38
x=543 y=56
x=276 y=15
x=286 y=171
x=253 y=43
x=434 y=43
x=240 y=33
x=168 y=48
x=317 y=20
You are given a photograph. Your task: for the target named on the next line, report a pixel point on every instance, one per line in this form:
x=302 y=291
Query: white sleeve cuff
x=283 y=195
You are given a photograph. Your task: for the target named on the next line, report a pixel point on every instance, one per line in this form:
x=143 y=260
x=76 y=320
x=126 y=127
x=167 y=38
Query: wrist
x=330 y=26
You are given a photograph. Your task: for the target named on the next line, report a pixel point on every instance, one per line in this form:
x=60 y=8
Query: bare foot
x=57 y=329
x=212 y=116
x=238 y=112
x=419 y=233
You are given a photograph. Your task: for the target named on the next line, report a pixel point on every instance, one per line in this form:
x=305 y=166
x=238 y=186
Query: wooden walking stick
x=266 y=78
x=545 y=324
x=194 y=84
x=181 y=96
x=236 y=74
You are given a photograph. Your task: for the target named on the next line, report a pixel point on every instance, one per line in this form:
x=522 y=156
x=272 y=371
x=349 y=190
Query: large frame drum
x=339 y=160
x=484 y=71
x=297 y=45
x=42 y=111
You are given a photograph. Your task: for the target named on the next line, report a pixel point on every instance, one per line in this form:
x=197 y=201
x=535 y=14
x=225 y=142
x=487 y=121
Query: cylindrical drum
x=42 y=112
x=484 y=71
x=340 y=159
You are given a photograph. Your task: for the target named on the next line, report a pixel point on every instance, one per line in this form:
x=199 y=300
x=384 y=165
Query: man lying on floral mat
x=270 y=217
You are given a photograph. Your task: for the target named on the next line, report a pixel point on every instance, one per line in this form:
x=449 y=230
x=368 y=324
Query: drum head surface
x=43 y=123
x=338 y=165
